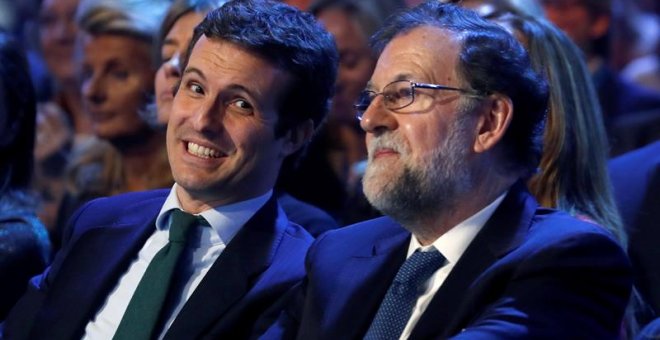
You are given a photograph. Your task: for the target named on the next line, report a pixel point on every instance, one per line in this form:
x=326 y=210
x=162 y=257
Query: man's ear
x=493 y=122
x=297 y=136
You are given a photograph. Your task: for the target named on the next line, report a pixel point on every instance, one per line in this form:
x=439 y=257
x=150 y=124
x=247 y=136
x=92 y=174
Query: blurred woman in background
x=24 y=245
x=172 y=44
x=572 y=174
x=117 y=82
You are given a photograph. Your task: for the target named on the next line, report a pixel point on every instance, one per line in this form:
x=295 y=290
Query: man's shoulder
x=375 y=228
x=641 y=160
x=131 y=207
x=552 y=227
x=128 y=199
x=297 y=235
x=310 y=217
x=361 y=236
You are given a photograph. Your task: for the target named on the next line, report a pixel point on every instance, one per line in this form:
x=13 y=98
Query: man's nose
x=208 y=118
x=377 y=119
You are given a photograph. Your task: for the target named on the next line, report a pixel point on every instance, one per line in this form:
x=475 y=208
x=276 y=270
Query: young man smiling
x=254 y=88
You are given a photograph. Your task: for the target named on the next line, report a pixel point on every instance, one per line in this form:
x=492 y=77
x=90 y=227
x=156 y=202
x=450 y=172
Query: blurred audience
x=117 y=83
x=24 y=245
x=636 y=44
x=572 y=174
x=329 y=173
x=301 y=4
x=631 y=112
x=61 y=120
x=57 y=35
x=172 y=43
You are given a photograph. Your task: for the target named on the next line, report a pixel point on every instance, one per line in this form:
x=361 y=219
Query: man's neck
x=197 y=202
x=430 y=227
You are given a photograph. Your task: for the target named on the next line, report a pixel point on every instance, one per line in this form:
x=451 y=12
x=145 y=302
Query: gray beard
x=426 y=190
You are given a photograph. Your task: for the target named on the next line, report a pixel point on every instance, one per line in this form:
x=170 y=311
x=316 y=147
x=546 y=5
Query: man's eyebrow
x=238 y=88
x=233 y=87
x=194 y=70
x=402 y=76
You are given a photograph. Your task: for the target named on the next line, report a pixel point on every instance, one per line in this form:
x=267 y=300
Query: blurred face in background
x=57 y=35
x=576 y=20
x=356 y=62
x=117 y=78
x=174 y=46
x=301 y=4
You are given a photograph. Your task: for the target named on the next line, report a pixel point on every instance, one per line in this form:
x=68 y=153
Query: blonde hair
x=573 y=168
x=137 y=18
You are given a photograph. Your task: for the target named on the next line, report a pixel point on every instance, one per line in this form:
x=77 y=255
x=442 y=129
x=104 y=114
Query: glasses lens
x=398 y=94
x=363 y=102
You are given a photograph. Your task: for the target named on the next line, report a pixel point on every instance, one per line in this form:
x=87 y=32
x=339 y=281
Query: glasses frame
x=361 y=108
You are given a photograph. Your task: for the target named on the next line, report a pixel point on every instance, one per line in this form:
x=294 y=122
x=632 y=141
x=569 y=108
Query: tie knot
x=182 y=224
x=419 y=267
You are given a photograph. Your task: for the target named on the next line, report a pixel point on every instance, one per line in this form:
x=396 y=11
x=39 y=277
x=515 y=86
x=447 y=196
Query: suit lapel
x=503 y=232
x=363 y=282
x=91 y=270
x=233 y=273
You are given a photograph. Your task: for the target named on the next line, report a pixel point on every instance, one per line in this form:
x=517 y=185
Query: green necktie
x=144 y=309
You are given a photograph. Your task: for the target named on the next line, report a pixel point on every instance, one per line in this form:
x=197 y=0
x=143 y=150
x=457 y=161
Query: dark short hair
x=17 y=140
x=291 y=40
x=491 y=60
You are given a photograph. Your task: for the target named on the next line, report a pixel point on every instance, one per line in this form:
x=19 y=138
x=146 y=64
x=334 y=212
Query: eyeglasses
x=399 y=94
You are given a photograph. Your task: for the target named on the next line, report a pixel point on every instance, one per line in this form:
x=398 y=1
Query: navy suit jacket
x=529 y=273
x=636 y=181
x=262 y=262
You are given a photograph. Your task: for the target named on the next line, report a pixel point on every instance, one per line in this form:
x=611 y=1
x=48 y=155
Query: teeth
x=202 y=151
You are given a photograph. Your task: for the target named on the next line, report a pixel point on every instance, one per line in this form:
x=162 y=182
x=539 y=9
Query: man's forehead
x=426 y=51
x=226 y=63
x=213 y=55
x=215 y=49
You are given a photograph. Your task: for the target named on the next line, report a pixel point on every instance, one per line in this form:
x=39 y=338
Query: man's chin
x=378 y=192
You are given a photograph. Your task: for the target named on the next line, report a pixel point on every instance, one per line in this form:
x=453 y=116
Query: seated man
x=255 y=86
x=453 y=115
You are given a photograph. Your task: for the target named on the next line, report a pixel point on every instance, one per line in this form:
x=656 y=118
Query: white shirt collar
x=226 y=220
x=453 y=243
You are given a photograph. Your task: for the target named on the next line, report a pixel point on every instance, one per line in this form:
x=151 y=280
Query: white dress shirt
x=207 y=245
x=451 y=245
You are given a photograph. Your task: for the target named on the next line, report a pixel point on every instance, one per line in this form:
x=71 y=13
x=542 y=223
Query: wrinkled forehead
x=425 y=54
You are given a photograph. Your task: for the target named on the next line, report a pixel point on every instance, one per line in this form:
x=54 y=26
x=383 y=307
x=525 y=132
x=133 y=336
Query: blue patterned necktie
x=397 y=306
x=143 y=312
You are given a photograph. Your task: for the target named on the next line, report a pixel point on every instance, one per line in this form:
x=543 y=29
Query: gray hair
x=137 y=18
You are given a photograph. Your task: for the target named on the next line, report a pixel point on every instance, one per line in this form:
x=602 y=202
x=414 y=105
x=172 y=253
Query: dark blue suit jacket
x=258 y=266
x=636 y=180
x=530 y=273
